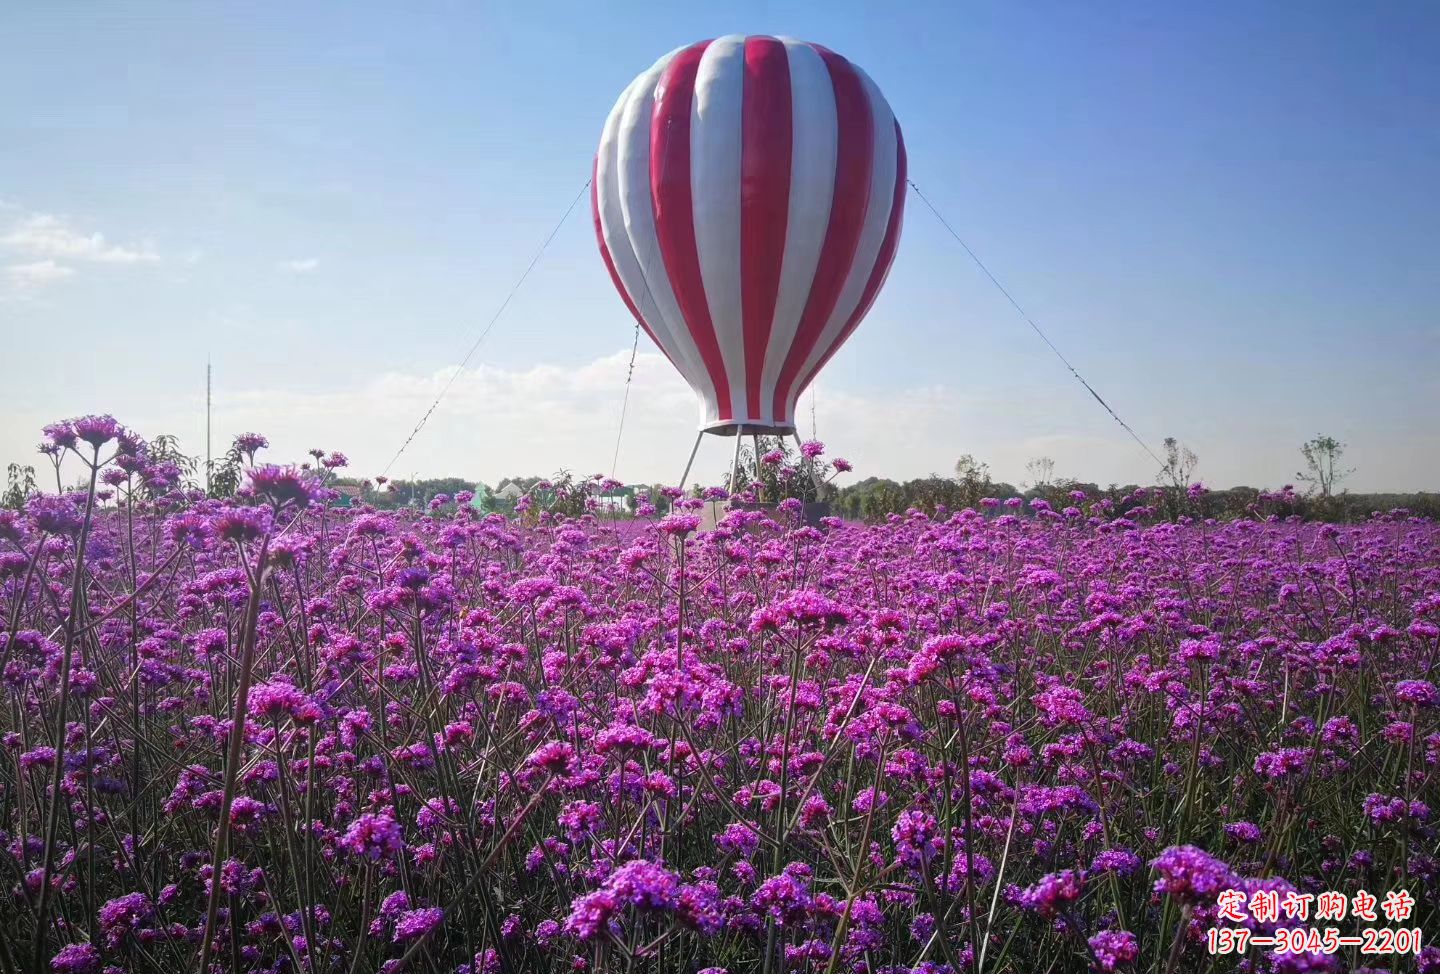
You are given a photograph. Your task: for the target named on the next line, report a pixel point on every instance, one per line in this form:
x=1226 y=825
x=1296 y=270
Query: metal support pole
x=688 y=463
x=735 y=463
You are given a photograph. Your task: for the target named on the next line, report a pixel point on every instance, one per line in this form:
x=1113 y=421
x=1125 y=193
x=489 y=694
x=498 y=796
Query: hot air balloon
x=748 y=197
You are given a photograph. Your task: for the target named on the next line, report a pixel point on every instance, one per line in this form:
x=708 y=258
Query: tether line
x=1031 y=322
x=625 y=403
x=494 y=318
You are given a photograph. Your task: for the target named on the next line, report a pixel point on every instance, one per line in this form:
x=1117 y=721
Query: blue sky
x=1225 y=215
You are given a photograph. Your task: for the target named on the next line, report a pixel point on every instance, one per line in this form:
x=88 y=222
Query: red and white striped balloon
x=748 y=197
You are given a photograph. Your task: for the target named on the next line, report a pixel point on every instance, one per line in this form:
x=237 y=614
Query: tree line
x=1317 y=494
x=780 y=472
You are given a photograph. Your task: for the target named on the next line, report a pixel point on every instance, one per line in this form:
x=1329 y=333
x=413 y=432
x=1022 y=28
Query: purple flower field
x=265 y=734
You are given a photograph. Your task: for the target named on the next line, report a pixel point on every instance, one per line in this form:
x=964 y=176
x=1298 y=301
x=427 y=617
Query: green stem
x=232 y=761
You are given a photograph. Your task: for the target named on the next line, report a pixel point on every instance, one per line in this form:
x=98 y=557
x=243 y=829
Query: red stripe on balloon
x=883 y=258
x=854 y=158
x=610 y=261
x=674 y=211
x=766 y=143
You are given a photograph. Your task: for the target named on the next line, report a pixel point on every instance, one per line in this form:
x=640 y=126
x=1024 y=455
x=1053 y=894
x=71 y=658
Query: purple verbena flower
x=1114 y=949
x=76 y=959
x=414 y=924
x=1053 y=893
x=1190 y=874
x=374 y=837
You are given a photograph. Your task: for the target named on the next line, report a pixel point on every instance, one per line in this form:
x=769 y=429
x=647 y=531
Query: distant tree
x=225 y=473
x=1322 y=473
x=883 y=497
x=1177 y=475
x=1180 y=464
x=973 y=480
x=19 y=486
x=1042 y=472
x=655 y=494
x=165 y=448
x=445 y=485
x=869 y=499
x=417 y=493
x=968 y=468
x=928 y=494
x=560 y=493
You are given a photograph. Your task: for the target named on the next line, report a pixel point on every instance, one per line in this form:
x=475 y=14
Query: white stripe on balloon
x=716 y=120
x=872 y=234
x=815 y=131
x=629 y=216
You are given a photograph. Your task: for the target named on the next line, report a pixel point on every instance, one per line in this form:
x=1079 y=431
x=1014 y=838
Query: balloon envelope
x=748 y=197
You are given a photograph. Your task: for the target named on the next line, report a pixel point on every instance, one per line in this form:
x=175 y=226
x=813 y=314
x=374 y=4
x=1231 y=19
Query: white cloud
x=302 y=266
x=48 y=236
x=496 y=422
x=36 y=274
x=499 y=422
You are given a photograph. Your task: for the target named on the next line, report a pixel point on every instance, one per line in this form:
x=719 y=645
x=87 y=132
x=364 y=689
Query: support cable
x=625 y=403
x=494 y=318
x=1030 y=321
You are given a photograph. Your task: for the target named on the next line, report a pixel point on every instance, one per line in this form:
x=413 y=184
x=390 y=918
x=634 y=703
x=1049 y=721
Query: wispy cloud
x=495 y=421
x=45 y=235
x=36 y=274
x=498 y=422
x=303 y=265
x=50 y=248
